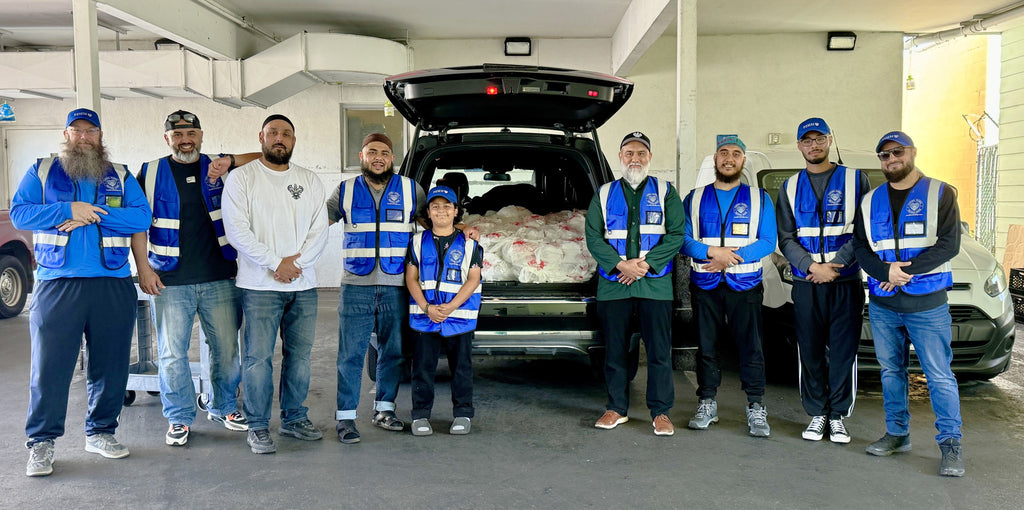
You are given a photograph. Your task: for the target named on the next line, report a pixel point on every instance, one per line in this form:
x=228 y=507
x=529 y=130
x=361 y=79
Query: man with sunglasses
x=815 y=210
x=906 y=233
x=82 y=210
x=187 y=265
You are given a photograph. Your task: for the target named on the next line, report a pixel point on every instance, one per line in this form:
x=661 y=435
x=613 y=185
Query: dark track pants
x=655 y=319
x=740 y=312
x=426 y=351
x=828 y=323
x=62 y=310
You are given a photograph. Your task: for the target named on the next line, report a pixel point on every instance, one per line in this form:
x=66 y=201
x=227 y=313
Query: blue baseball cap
x=84 y=114
x=812 y=124
x=724 y=140
x=444 y=192
x=895 y=136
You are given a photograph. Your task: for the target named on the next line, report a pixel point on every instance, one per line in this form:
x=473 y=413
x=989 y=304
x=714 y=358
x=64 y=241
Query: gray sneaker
x=40 y=459
x=707 y=413
x=889 y=444
x=302 y=429
x=952 y=458
x=105 y=445
x=421 y=427
x=260 y=442
x=460 y=426
x=757 y=420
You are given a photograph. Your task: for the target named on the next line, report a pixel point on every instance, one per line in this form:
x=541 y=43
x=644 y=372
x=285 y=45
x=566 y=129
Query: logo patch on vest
x=741 y=210
x=835 y=197
x=456 y=255
x=296 y=190
x=652 y=199
x=741 y=229
x=111 y=184
x=394 y=198
x=915 y=206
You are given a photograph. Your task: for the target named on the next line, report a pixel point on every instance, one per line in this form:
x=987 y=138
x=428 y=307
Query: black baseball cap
x=636 y=136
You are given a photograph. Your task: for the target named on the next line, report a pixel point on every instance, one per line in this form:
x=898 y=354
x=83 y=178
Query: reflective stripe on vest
x=373 y=234
x=50 y=245
x=165 y=202
x=918 y=230
x=440 y=283
x=615 y=212
x=837 y=209
x=707 y=227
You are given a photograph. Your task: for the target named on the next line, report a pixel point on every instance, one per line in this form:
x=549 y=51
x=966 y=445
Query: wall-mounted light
x=841 y=41
x=517 y=47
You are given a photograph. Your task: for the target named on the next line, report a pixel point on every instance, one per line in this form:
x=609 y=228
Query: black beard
x=382 y=178
x=817 y=161
x=727 y=179
x=84 y=163
x=899 y=174
x=274 y=158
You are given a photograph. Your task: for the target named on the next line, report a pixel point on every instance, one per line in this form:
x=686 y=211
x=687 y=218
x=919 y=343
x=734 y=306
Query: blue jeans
x=266 y=312
x=931 y=334
x=365 y=309
x=219 y=307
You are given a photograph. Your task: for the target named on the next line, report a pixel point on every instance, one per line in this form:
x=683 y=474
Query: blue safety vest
x=51 y=244
x=441 y=280
x=162 y=192
x=824 y=225
x=652 y=220
x=739 y=229
x=372 y=234
x=918 y=230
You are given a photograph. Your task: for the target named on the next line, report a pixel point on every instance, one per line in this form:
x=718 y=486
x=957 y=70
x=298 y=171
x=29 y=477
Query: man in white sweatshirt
x=275 y=216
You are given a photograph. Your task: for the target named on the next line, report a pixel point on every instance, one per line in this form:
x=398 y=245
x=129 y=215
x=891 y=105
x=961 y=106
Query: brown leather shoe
x=610 y=420
x=663 y=426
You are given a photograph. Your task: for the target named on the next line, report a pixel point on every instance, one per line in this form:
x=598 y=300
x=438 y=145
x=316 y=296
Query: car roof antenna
x=838 y=155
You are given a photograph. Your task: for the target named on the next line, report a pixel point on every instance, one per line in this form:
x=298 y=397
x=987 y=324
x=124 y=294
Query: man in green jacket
x=634 y=229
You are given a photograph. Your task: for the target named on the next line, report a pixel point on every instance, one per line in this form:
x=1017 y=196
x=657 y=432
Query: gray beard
x=186 y=157
x=378 y=179
x=84 y=163
x=634 y=177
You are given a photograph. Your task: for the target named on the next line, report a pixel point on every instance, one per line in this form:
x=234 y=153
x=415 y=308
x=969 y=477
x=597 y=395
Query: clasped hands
x=287 y=271
x=897 y=277
x=721 y=257
x=632 y=270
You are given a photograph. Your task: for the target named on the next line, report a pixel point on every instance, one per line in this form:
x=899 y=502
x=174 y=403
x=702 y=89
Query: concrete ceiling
x=47 y=23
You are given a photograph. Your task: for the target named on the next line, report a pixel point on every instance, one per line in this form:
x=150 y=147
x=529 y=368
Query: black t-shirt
x=201 y=259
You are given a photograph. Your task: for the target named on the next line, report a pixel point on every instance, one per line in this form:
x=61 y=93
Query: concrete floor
x=533 y=446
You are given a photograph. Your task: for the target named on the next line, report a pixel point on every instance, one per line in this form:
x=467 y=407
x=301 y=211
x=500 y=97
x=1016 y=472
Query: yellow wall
x=950 y=82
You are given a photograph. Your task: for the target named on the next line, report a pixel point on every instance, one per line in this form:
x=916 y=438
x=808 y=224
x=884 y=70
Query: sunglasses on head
x=175 y=117
x=895 y=152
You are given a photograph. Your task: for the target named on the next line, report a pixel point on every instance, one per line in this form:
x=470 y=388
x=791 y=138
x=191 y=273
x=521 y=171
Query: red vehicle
x=16 y=266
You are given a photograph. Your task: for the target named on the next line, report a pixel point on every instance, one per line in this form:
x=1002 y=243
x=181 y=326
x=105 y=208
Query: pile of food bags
x=530 y=248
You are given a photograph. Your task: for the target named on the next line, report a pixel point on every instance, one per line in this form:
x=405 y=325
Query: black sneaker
x=260 y=442
x=889 y=444
x=347 y=431
x=388 y=421
x=302 y=429
x=177 y=435
x=952 y=458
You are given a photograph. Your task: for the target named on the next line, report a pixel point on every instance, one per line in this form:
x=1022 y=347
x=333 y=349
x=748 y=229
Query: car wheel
x=13 y=286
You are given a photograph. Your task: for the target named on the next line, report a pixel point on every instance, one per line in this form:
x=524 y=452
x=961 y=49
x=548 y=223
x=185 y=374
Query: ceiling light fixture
x=518 y=47
x=841 y=41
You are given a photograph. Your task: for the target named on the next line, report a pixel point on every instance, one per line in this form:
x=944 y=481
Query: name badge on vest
x=191 y=179
x=113 y=200
x=653 y=218
x=453 y=275
x=913 y=228
x=741 y=229
x=834 y=217
x=394 y=215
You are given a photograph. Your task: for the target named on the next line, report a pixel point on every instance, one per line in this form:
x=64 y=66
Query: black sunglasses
x=175 y=117
x=896 y=152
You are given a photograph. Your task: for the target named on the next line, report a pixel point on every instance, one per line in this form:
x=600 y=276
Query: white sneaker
x=837 y=431
x=815 y=430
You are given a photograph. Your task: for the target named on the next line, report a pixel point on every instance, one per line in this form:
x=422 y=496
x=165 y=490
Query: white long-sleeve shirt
x=270 y=215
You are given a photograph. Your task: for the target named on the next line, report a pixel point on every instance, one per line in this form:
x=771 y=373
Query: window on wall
x=360 y=122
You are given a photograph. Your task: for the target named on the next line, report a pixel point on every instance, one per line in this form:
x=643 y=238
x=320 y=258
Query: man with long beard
x=815 y=211
x=82 y=210
x=730 y=227
x=188 y=267
x=906 y=232
x=274 y=216
x=634 y=229
x=378 y=209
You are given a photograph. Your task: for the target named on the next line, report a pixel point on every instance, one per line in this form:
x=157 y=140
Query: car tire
x=13 y=286
x=684 y=359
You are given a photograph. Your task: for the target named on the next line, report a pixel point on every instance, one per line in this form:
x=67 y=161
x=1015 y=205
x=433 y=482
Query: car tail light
x=492 y=90
x=592 y=93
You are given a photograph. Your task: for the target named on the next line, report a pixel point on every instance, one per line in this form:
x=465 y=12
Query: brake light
x=592 y=93
x=492 y=90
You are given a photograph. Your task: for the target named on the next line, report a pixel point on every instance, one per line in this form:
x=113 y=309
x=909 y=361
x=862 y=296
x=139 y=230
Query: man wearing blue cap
x=906 y=233
x=815 y=210
x=634 y=229
x=730 y=227
x=82 y=210
x=442 y=273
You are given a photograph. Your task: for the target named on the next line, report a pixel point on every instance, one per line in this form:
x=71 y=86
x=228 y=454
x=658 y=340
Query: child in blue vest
x=442 y=271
